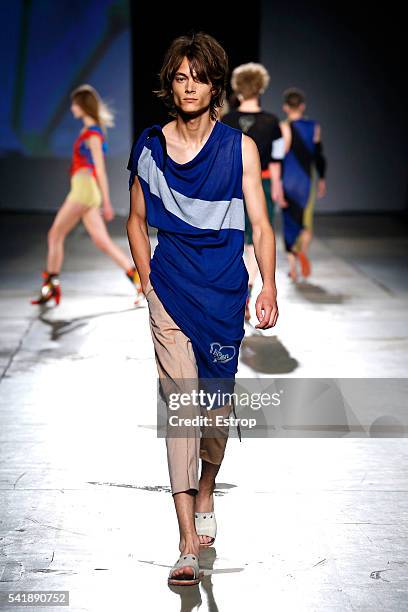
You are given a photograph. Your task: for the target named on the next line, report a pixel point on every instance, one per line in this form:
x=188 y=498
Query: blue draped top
x=197 y=268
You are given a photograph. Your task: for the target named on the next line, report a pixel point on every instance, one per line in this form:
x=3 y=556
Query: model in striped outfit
x=303 y=178
x=188 y=179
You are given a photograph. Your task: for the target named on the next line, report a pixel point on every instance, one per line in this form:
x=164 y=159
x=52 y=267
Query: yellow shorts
x=85 y=190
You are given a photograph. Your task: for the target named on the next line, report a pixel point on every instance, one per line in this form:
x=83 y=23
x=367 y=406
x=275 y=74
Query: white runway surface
x=305 y=524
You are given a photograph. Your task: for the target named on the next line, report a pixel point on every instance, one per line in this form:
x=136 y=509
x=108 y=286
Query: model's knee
x=213 y=453
x=55 y=236
x=213 y=445
x=101 y=242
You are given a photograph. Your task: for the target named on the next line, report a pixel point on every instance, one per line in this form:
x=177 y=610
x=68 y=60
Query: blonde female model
x=88 y=196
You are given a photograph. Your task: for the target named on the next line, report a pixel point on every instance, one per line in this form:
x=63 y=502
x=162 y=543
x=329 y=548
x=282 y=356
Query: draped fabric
x=81 y=155
x=197 y=268
x=298 y=178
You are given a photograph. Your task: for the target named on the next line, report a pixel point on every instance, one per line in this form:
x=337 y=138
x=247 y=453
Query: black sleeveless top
x=263 y=127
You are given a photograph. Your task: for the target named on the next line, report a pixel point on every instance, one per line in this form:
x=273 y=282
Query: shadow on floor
x=61 y=327
x=319 y=295
x=266 y=354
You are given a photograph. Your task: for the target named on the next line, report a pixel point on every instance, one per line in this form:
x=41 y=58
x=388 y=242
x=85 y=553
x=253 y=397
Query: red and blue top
x=82 y=156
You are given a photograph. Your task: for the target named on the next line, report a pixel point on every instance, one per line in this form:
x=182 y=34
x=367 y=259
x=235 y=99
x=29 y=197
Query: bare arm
x=287 y=140
x=275 y=170
x=286 y=133
x=138 y=233
x=95 y=145
x=320 y=162
x=263 y=235
x=275 y=165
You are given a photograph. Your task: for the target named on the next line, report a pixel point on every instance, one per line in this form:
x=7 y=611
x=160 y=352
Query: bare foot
x=293 y=274
x=292 y=257
x=190 y=546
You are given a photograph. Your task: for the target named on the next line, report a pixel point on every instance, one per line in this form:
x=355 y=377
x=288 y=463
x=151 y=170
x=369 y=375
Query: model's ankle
x=205 y=491
x=189 y=545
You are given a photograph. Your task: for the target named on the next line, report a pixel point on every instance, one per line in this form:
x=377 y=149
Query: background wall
x=153 y=30
x=348 y=60
x=47 y=48
x=347 y=57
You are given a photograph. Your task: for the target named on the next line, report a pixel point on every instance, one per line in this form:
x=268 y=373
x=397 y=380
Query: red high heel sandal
x=50 y=289
x=133 y=276
x=304 y=263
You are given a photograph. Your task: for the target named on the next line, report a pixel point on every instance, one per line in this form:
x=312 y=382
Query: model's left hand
x=266 y=308
x=277 y=194
x=321 y=188
x=108 y=212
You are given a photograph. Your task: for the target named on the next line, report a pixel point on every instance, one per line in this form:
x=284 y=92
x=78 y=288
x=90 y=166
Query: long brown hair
x=206 y=57
x=92 y=104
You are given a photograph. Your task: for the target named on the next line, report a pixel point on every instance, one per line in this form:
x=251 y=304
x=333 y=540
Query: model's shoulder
x=143 y=137
x=308 y=121
x=139 y=144
x=153 y=130
x=229 y=130
x=93 y=130
x=271 y=117
x=166 y=128
x=232 y=114
x=248 y=143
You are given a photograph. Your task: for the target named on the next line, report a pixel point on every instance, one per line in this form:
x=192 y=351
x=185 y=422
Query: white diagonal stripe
x=203 y=214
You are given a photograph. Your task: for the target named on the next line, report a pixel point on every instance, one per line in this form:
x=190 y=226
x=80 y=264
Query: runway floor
x=304 y=523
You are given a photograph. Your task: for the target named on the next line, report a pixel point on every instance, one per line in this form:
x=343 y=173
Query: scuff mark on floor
x=53 y=527
x=18 y=479
x=319 y=562
x=376 y=575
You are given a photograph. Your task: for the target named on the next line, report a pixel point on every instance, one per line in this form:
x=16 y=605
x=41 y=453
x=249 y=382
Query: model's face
x=76 y=110
x=189 y=94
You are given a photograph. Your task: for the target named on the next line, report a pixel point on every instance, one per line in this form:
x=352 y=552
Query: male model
x=249 y=81
x=188 y=179
x=303 y=179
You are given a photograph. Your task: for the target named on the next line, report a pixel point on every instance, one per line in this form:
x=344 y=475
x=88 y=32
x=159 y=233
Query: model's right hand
x=266 y=308
x=108 y=212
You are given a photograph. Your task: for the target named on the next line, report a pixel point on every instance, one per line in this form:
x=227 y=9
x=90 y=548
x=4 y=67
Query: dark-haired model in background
x=303 y=162
x=188 y=179
x=248 y=82
x=89 y=193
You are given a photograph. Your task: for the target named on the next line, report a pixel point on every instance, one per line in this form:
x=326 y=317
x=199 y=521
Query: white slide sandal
x=206 y=525
x=188 y=560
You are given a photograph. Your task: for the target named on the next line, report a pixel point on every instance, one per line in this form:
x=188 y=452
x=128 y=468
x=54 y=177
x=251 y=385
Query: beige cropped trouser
x=176 y=361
